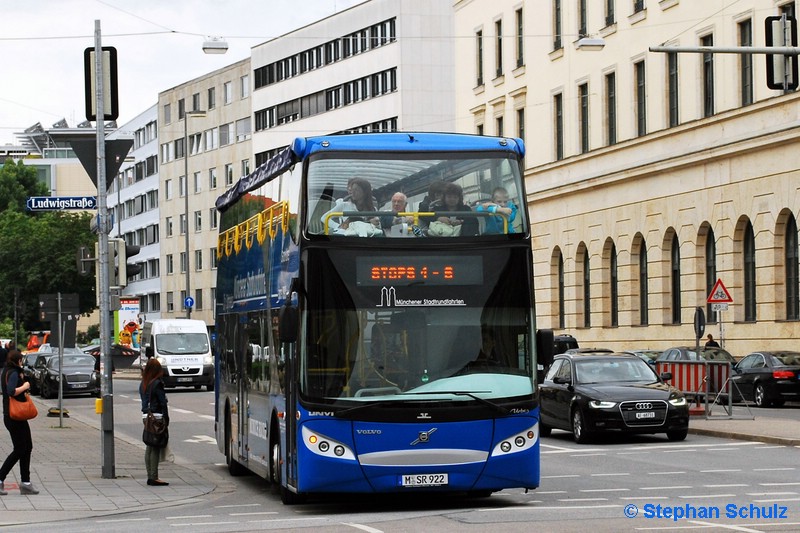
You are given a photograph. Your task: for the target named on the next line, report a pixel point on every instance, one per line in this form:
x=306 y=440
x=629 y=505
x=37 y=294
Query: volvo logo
x=424 y=436
x=424 y=416
x=644 y=406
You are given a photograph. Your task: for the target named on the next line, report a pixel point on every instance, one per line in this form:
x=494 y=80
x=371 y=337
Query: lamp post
x=199 y=114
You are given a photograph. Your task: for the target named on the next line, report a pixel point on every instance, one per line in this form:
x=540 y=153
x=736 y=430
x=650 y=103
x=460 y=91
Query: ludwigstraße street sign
x=57 y=203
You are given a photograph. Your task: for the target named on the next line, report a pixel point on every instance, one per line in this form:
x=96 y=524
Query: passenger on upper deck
x=499 y=204
x=435 y=192
x=359 y=199
x=452 y=225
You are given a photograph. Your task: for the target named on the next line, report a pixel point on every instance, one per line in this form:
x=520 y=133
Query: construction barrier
x=698 y=378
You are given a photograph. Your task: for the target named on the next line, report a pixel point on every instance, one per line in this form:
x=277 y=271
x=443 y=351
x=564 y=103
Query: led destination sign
x=422 y=270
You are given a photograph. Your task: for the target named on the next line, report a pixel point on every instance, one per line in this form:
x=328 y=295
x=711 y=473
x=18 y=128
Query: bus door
x=239 y=411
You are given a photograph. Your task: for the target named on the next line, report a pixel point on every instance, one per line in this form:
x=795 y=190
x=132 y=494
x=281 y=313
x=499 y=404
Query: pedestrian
x=4 y=349
x=154 y=399
x=711 y=343
x=14 y=384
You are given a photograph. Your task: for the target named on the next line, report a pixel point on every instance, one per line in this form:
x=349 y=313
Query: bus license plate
x=184 y=380
x=423 y=480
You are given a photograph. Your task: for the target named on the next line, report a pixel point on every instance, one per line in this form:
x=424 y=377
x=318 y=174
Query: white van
x=183 y=348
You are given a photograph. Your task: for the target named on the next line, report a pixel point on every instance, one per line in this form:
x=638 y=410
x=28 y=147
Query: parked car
x=78 y=375
x=28 y=361
x=564 y=342
x=690 y=353
x=767 y=378
x=590 y=393
x=648 y=356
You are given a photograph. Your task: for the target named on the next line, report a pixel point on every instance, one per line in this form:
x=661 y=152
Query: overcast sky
x=159 y=45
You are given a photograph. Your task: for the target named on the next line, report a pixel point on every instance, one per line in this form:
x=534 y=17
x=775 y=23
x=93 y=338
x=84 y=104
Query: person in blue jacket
x=499 y=204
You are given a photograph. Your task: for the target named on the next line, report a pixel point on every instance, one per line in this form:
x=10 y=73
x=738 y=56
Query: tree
x=17 y=183
x=38 y=256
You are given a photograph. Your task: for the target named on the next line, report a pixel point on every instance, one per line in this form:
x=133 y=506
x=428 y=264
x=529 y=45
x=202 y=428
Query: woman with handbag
x=154 y=400
x=14 y=385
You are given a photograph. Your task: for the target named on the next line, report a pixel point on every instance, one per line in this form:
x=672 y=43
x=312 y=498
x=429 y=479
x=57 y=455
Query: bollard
x=98 y=406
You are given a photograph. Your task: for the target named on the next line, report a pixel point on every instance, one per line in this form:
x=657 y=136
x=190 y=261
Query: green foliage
x=17 y=183
x=38 y=256
x=92 y=332
x=7 y=328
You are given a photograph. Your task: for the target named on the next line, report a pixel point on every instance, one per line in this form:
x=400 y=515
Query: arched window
x=792 y=271
x=614 y=286
x=675 y=269
x=561 y=311
x=587 y=293
x=711 y=271
x=644 y=315
x=749 y=249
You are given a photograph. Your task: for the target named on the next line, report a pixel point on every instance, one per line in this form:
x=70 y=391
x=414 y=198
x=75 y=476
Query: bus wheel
x=234 y=467
x=287 y=497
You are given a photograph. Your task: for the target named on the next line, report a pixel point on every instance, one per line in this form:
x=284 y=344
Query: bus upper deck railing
x=418 y=216
x=257 y=227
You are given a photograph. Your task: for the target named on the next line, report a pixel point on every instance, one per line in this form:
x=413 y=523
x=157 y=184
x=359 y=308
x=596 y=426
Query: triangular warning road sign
x=719 y=294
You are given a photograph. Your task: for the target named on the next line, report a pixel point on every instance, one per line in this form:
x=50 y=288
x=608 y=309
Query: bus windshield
x=414 y=195
x=392 y=327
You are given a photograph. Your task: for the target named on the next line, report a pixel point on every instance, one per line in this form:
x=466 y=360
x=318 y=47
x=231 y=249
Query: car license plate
x=184 y=380
x=648 y=414
x=423 y=480
x=79 y=385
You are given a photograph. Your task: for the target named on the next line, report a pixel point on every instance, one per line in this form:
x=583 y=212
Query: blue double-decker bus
x=375 y=330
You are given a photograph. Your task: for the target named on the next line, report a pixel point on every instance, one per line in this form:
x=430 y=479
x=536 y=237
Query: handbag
x=155 y=432
x=20 y=410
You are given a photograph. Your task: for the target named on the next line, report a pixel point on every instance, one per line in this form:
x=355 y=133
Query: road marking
x=583 y=500
x=604 y=490
x=665 y=473
x=182 y=411
x=253 y=513
x=612 y=474
x=726 y=526
x=589 y=454
x=121 y=520
x=202 y=438
x=208 y=417
x=700 y=496
x=726 y=485
x=238 y=505
x=778 y=484
x=645 y=498
x=674 y=487
x=189 y=516
x=770 y=493
x=772 y=469
x=720 y=470
x=550 y=492
x=362 y=527
x=562 y=476
x=203 y=524
x=777 y=500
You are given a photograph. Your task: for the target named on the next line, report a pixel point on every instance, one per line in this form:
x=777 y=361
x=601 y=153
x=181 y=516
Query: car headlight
x=598 y=404
x=678 y=402
x=208 y=360
x=162 y=360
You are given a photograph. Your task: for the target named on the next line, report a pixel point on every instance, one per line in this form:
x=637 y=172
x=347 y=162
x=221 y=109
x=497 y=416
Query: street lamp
x=186 y=151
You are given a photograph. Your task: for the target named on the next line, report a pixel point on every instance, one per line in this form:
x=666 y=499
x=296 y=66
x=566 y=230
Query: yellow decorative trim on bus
x=268 y=222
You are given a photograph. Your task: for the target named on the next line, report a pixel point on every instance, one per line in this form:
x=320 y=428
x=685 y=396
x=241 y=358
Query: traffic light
x=126 y=270
x=112 y=268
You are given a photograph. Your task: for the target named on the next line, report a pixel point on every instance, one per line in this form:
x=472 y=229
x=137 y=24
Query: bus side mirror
x=545 y=342
x=287 y=323
x=148 y=351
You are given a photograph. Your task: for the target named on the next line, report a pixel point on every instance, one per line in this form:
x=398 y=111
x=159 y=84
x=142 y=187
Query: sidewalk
x=782 y=431
x=66 y=467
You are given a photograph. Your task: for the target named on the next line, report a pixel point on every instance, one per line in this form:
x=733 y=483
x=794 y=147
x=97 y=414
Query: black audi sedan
x=767 y=378
x=592 y=393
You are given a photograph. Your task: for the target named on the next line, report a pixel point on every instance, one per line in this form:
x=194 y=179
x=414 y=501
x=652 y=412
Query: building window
x=582 y=19
x=638 y=5
x=583 y=101
x=167 y=113
x=498 y=126
x=641 y=99
x=672 y=88
x=198 y=186
x=610 y=16
x=227 y=92
x=167 y=189
x=557 y=44
x=214 y=260
x=792 y=271
x=498 y=49
x=184 y=266
x=558 y=117
x=561 y=306
x=675 y=271
x=708 y=77
x=181 y=109
x=644 y=296
x=195 y=101
x=746 y=63
x=244 y=82
x=168 y=226
x=182 y=223
x=170 y=264
x=212 y=97
x=213 y=218
x=520 y=38
x=749 y=273
x=587 y=293
x=182 y=186
x=198 y=260
x=198 y=221
x=479 y=129
x=611 y=108
x=521 y=123
x=711 y=271
x=212 y=178
x=613 y=280
x=198 y=299
x=479 y=57
x=170 y=303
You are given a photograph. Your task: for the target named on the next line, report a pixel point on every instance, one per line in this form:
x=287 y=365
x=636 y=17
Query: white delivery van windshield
x=182 y=343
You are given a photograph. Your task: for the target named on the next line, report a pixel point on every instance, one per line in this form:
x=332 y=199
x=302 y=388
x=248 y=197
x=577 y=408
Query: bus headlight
x=518 y=442
x=325 y=446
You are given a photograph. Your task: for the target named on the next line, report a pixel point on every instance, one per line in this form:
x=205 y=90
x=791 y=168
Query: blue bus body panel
x=378 y=455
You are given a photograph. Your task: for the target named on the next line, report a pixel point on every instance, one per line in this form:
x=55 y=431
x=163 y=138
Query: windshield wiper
x=498 y=408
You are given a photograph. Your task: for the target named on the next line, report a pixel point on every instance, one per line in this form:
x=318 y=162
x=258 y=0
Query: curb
x=768 y=439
